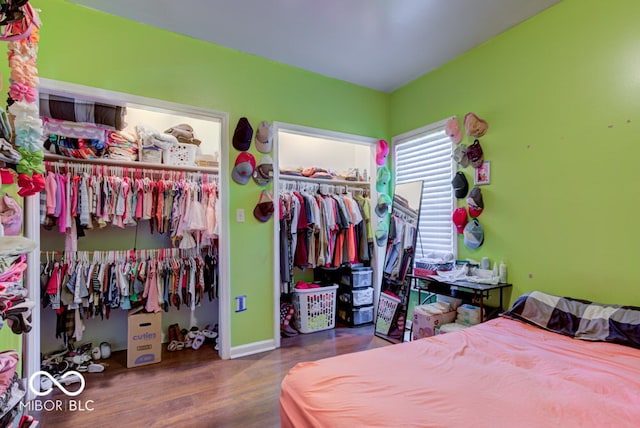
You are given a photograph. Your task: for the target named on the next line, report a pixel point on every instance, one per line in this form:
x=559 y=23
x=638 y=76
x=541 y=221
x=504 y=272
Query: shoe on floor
x=288 y=331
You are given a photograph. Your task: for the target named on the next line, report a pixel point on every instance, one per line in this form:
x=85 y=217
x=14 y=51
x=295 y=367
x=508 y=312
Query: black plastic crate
x=327 y=275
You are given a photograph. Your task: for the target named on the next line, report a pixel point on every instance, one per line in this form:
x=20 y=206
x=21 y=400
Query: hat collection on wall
x=245 y=166
x=473 y=155
x=383 y=206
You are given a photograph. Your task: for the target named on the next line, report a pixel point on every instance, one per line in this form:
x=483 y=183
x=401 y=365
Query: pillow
x=580 y=319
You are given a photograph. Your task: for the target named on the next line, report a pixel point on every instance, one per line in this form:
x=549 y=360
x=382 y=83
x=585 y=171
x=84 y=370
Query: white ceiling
x=380 y=44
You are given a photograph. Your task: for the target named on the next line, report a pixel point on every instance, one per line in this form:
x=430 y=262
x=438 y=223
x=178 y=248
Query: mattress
x=502 y=373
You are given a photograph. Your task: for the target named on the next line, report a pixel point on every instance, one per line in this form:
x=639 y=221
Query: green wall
x=560 y=92
x=92 y=48
x=561 y=95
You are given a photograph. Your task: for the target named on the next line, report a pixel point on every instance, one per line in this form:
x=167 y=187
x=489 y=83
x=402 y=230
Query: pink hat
x=475 y=126
x=453 y=130
x=382 y=150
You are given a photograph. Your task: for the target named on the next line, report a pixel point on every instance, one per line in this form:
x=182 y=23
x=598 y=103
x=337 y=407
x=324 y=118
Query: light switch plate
x=240 y=215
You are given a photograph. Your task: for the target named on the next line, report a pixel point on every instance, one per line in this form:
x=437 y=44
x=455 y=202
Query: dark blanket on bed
x=580 y=319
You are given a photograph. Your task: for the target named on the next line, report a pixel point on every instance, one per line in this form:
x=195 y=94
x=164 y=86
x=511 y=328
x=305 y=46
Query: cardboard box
x=144 y=343
x=424 y=325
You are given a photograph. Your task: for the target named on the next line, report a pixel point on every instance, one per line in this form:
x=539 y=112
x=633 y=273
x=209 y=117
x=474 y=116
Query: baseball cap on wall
x=382 y=234
x=475 y=126
x=475 y=202
x=264 y=137
x=460 y=185
x=383 y=178
x=263 y=174
x=460 y=155
x=452 y=128
x=473 y=234
x=383 y=205
x=242 y=135
x=243 y=168
x=460 y=219
x=382 y=150
x=475 y=155
x=264 y=209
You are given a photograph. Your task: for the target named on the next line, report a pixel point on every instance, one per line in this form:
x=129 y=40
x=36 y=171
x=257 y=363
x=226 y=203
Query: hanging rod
x=130 y=164
x=323 y=181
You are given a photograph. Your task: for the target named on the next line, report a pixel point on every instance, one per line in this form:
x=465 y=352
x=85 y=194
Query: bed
x=523 y=369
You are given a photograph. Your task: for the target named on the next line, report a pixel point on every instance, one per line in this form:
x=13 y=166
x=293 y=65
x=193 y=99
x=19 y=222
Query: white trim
x=61 y=88
x=323 y=133
x=416 y=133
x=276 y=234
x=253 y=348
x=152 y=104
x=31 y=341
x=330 y=135
x=224 y=259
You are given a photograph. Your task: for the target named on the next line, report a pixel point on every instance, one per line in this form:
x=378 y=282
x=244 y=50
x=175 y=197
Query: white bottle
x=503 y=272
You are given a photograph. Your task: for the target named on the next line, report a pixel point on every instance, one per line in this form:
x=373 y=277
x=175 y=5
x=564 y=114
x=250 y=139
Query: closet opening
x=326 y=186
x=140 y=223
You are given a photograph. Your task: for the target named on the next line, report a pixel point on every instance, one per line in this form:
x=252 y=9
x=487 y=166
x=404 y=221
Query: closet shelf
x=130 y=164
x=324 y=181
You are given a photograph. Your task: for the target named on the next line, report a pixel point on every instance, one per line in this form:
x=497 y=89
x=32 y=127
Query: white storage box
x=426 y=318
x=315 y=308
x=180 y=155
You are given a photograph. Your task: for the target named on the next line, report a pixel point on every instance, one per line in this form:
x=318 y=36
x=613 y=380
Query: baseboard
x=252 y=348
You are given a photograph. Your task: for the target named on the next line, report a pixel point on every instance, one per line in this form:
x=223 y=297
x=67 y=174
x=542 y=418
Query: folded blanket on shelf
x=75 y=110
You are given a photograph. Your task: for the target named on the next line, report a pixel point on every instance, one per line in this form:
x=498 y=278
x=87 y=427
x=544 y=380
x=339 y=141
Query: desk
x=465 y=290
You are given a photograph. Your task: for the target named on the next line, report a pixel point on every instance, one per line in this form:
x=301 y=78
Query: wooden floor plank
x=196 y=389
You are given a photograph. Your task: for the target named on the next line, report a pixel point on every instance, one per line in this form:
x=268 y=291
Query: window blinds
x=427 y=156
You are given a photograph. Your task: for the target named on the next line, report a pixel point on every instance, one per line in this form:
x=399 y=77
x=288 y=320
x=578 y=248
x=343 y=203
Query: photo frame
x=482 y=174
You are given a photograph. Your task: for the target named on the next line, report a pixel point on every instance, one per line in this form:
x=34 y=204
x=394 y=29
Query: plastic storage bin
x=180 y=155
x=355 y=316
x=357 y=277
x=356 y=297
x=315 y=308
x=387 y=306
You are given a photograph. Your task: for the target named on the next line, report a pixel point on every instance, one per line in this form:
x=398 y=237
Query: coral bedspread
x=502 y=373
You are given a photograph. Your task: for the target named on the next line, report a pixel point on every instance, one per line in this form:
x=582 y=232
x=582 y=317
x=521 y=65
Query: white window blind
x=426 y=154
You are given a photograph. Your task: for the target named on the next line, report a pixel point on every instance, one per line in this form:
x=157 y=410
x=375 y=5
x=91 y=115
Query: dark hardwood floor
x=196 y=389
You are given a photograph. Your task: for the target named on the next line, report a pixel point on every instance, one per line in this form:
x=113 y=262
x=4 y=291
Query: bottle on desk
x=503 y=272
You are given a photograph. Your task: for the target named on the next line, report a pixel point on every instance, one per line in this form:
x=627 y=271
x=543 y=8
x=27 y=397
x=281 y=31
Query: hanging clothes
x=183 y=206
x=327 y=227
x=80 y=287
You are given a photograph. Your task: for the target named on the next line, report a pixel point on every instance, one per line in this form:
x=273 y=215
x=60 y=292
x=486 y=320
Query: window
x=426 y=154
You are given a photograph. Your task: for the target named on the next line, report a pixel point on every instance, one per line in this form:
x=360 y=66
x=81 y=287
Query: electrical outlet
x=241 y=303
x=240 y=215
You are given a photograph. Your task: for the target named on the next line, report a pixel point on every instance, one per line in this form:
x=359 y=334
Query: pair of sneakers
x=176 y=338
x=101 y=352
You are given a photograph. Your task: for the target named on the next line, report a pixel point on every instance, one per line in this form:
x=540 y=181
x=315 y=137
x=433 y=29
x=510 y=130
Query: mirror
x=399 y=254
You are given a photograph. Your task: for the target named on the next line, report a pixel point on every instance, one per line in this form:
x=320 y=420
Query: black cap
x=242 y=135
x=460 y=185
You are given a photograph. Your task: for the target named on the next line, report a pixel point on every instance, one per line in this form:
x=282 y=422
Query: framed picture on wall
x=482 y=174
